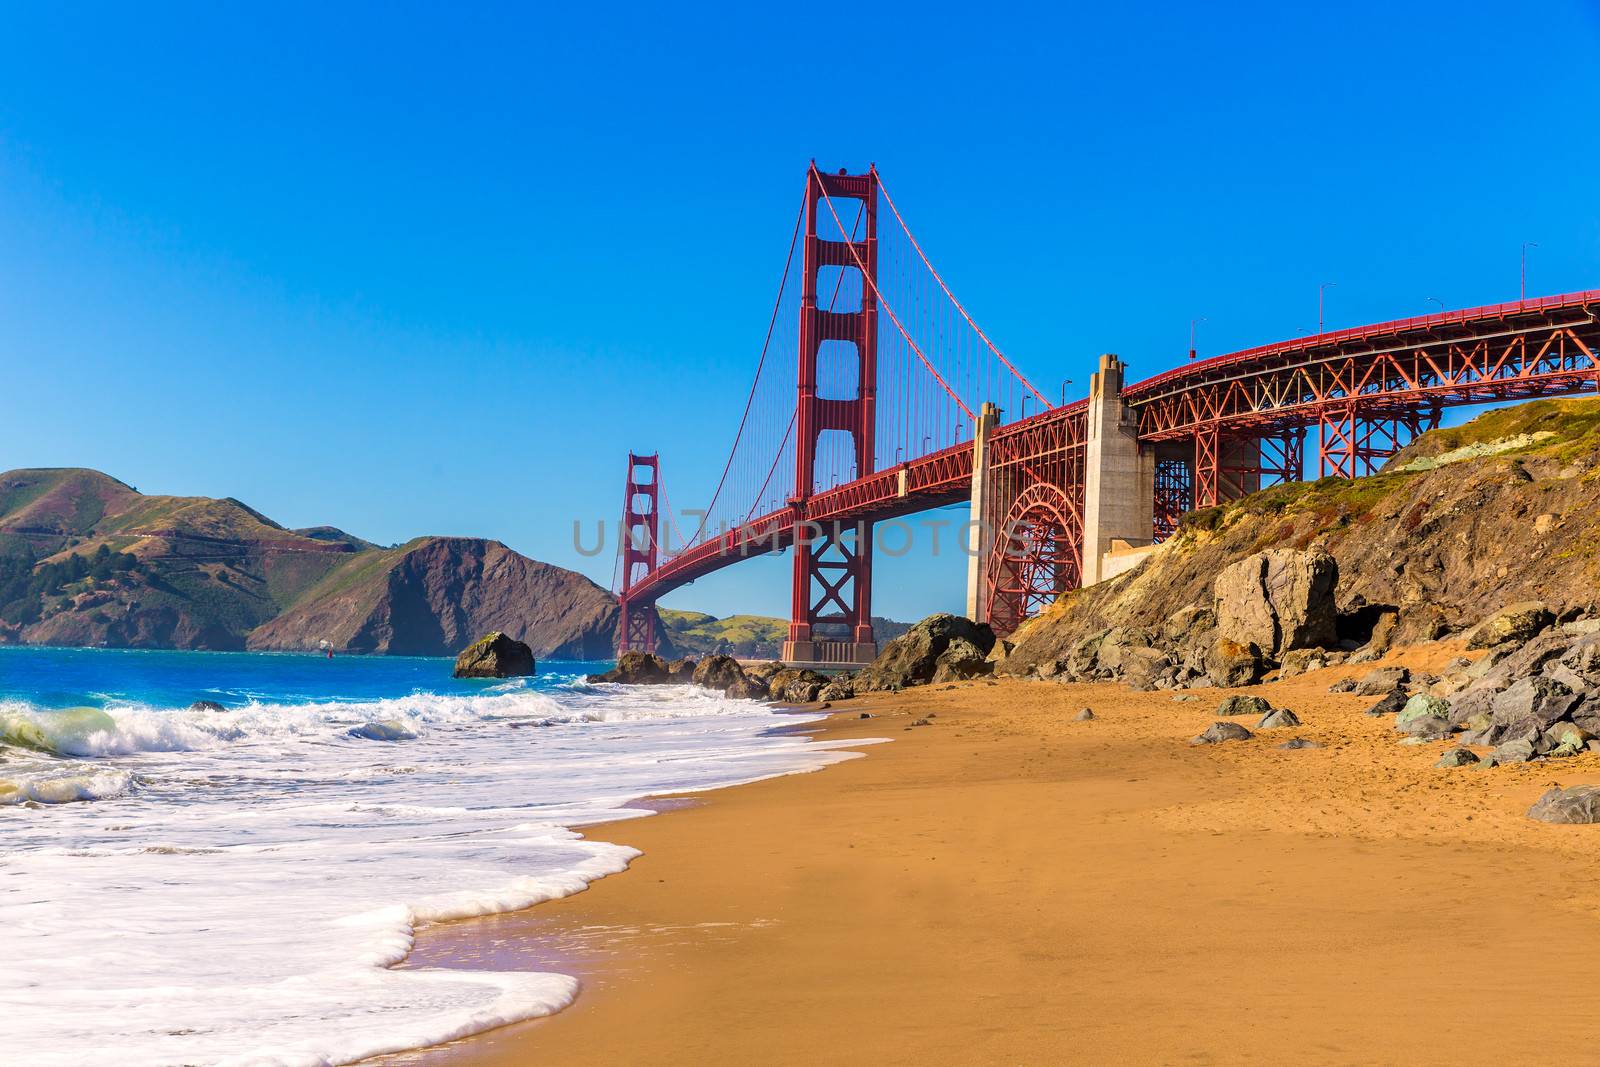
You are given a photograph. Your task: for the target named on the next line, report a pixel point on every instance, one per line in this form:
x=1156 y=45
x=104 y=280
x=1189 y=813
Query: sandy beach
x=1007 y=885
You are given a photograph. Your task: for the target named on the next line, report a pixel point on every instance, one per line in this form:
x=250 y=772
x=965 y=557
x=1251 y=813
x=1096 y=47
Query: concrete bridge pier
x=981 y=525
x=1119 y=477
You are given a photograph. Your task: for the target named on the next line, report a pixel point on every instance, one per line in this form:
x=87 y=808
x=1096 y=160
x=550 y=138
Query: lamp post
x=1192 y=323
x=1321 y=289
x=1064 y=383
x=1525 y=246
x=1436 y=300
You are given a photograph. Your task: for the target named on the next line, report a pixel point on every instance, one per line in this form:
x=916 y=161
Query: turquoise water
x=183 y=885
x=97 y=677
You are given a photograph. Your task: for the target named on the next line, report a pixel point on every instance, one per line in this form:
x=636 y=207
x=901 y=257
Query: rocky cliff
x=1505 y=508
x=436 y=595
x=88 y=560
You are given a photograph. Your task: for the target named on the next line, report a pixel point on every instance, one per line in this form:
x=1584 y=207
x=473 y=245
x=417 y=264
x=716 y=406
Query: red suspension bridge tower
x=832 y=593
x=641 y=524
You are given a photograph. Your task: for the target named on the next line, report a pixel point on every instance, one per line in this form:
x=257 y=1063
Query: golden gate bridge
x=876 y=395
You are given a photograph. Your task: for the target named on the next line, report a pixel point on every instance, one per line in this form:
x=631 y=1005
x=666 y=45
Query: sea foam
x=244 y=882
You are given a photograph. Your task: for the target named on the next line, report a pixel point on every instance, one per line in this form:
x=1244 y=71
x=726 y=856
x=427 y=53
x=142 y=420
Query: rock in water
x=1279 y=600
x=495 y=656
x=1578 y=804
x=636 y=668
x=206 y=705
x=718 y=672
x=1218 y=732
x=388 y=730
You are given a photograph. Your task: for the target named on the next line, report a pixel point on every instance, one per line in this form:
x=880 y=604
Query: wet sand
x=1006 y=885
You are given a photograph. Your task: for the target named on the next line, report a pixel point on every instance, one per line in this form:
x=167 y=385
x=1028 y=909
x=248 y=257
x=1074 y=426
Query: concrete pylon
x=980 y=527
x=1119 y=479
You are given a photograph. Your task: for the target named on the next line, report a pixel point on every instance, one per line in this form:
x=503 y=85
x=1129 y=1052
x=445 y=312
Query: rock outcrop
x=943 y=646
x=495 y=656
x=1421 y=551
x=1279 y=600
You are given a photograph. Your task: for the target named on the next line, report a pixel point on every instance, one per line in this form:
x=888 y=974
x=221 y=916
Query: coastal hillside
x=1465 y=520
x=694 y=633
x=88 y=560
x=436 y=595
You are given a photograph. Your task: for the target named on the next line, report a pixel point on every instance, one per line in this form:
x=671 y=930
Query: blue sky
x=406 y=270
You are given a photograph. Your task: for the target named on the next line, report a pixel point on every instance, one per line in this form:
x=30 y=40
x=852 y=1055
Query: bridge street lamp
x=1436 y=300
x=1321 y=289
x=1064 y=383
x=1192 y=323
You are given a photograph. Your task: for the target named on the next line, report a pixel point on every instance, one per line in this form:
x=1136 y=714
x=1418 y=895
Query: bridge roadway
x=1404 y=371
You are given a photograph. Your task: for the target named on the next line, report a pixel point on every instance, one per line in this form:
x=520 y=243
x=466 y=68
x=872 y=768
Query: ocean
x=191 y=886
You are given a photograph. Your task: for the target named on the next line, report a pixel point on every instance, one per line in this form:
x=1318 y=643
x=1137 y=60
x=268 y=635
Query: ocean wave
x=123 y=729
x=64 y=787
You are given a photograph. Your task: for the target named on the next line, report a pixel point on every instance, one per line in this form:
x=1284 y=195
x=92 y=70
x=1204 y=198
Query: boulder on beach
x=1244 y=705
x=1576 y=804
x=1422 y=706
x=1279 y=600
x=1219 y=732
x=1230 y=664
x=1457 y=757
x=1278 y=718
x=1381 y=680
x=945 y=645
x=495 y=656
x=794 y=686
x=1085 y=715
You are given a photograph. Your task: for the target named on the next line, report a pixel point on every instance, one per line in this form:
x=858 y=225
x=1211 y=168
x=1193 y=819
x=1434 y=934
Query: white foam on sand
x=242 y=884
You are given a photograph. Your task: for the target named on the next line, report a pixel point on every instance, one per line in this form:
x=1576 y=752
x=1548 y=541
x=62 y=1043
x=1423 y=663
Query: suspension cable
x=817 y=175
x=887 y=199
x=772 y=323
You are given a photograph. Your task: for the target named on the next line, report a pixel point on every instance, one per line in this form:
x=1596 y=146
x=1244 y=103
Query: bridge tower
x=636 y=629
x=831 y=616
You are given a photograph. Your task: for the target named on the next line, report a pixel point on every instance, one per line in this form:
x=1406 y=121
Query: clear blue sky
x=405 y=270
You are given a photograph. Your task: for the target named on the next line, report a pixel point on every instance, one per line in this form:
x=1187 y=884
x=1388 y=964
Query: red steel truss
x=1035 y=490
x=1174 y=494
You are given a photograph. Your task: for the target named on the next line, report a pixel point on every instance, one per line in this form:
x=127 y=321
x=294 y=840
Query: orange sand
x=1007 y=885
